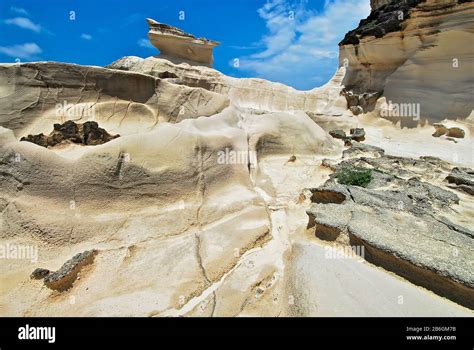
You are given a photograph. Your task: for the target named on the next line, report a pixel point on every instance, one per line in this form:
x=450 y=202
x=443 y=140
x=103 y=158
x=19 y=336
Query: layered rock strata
x=87 y=133
x=174 y=43
x=401 y=222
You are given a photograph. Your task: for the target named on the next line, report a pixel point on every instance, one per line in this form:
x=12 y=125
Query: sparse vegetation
x=354 y=176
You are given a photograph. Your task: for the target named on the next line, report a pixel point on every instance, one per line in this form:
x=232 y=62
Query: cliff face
x=406 y=49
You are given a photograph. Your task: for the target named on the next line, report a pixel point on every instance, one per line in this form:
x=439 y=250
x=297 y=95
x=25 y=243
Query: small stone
x=462 y=179
x=63 y=278
x=440 y=130
x=39 y=273
x=88 y=133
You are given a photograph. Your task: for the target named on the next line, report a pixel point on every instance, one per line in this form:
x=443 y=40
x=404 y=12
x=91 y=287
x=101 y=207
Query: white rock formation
x=174 y=43
x=375 y=4
x=197 y=209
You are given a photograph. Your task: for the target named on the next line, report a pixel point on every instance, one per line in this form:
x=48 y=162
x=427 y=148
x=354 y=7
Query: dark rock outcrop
x=401 y=221
x=384 y=51
x=456 y=132
x=449 y=132
x=88 y=133
x=357 y=134
x=361 y=103
x=63 y=278
x=360 y=148
x=440 y=130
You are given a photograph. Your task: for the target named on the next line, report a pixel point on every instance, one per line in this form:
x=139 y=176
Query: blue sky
x=289 y=41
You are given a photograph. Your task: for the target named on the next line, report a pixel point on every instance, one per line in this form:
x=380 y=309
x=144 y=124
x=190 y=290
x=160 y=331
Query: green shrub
x=354 y=176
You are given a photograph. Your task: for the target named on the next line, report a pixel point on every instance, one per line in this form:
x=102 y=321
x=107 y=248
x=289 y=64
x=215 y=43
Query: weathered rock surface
x=402 y=223
x=386 y=17
x=375 y=4
x=197 y=208
x=323 y=291
x=357 y=134
x=39 y=273
x=325 y=105
x=338 y=134
x=456 y=132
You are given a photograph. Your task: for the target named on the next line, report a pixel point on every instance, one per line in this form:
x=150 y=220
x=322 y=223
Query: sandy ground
x=322 y=286
x=419 y=141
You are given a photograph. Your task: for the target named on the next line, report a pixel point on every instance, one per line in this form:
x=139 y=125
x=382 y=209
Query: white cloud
x=302 y=43
x=246 y=47
x=26 y=51
x=19 y=10
x=145 y=43
x=86 y=36
x=24 y=23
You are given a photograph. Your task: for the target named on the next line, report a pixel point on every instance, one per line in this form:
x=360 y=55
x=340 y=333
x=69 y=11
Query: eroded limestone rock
x=462 y=179
x=432 y=32
x=357 y=134
x=449 y=132
x=175 y=43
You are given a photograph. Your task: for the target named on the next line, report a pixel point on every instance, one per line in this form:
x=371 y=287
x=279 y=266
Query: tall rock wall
x=419 y=53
